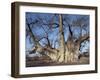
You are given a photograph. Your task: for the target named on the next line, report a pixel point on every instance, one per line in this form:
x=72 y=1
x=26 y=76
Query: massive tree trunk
x=69 y=52
x=61 y=57
x=72 y=51
x=73 y=48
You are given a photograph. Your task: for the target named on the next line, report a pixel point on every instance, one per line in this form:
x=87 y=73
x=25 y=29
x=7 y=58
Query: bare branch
x=31 y=34
x=82 y=38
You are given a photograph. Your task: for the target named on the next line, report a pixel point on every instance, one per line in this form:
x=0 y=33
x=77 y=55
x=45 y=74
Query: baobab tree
x=65 y=31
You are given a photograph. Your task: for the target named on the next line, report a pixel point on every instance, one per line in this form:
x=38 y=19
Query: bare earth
x=33 y=62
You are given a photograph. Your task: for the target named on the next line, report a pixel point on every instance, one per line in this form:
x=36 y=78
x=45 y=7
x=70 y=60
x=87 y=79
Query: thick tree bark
x=73 y=48
x=61 y=53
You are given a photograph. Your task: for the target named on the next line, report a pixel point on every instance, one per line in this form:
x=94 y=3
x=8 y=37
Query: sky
x=52 y=33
